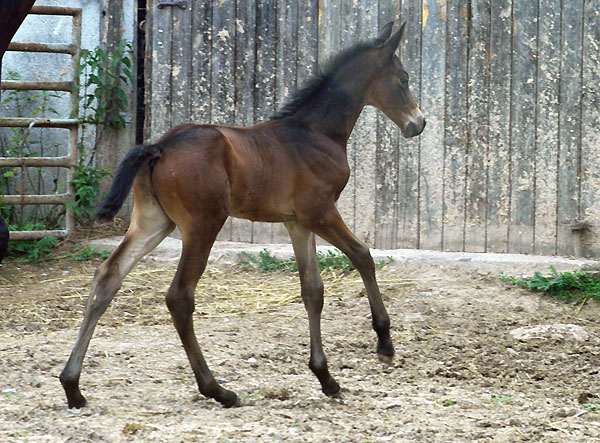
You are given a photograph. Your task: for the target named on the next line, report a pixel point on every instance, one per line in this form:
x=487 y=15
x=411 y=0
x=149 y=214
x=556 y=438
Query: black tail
x=128 y=169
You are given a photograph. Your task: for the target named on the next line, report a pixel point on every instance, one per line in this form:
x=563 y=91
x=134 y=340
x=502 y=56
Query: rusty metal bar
x=55 y=48
x=34 y=235
x=48 y=199
x=55 y=10
x=35 y=161
x=70 y=222
x=23 y=122
x=14 y=85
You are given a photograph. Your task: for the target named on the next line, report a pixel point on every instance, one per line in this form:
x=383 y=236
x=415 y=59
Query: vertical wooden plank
x=287 y=47
x=499 y=159
x=244 y=61
x=546 y=156
x=160 y=99
x=181 y=58
x=265 y=69
x=569 y=161
x=201 y=61
x=285 y=77
x=432 y=102
x=590 y=135
x=222 y=76
x=386 y=163
x=332 y=22
x=363 y=140
x=524 y=66
x=455 y=126
x=308 y=40
x=410 y=149
x=476 y=173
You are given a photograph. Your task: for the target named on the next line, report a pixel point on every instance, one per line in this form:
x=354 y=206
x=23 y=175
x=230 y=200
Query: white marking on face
x=416 y=117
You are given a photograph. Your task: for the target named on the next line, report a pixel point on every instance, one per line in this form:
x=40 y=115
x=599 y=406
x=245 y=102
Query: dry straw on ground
x=59 y=289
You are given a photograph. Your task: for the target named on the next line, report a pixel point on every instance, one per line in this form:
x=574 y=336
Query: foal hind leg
x=311 y=286
x=149 y=226
x=332 y=228
x=180 y=301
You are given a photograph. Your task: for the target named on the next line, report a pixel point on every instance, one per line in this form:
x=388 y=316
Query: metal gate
x=72 y=124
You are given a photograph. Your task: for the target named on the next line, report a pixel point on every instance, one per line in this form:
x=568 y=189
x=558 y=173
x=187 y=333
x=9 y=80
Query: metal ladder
x=72 y=124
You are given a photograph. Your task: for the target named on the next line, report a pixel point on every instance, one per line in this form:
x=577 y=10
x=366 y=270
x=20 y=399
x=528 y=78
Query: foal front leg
x=332 y=228
x=311 y=285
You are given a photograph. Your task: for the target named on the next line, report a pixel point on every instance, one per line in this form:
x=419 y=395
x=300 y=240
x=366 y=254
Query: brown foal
x=290 y=169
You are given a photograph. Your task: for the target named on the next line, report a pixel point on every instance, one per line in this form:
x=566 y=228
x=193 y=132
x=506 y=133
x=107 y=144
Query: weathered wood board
x=508 y=160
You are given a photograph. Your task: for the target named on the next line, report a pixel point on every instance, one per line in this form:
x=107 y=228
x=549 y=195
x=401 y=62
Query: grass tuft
x=329 y=261
x=578 y=286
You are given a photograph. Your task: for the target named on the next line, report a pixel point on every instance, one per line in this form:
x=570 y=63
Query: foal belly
x=262 y=213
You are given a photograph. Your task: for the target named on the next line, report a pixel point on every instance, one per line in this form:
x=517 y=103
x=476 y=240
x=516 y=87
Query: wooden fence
x=509 y=159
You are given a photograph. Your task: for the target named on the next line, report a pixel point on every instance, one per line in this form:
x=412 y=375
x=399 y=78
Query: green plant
x=329 y=261
x=86 y=181
x=105 y=78
x=33 y=251
x=334 y=261
x=103 y=100
x=265 y=262
x=569 y=286
x=87 y=253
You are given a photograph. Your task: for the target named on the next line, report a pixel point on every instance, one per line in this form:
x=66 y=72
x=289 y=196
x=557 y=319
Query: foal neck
x=336 y=108
x=335 y=111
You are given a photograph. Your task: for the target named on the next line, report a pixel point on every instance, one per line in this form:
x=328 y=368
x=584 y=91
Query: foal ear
x=385 y=32
x=392 y=43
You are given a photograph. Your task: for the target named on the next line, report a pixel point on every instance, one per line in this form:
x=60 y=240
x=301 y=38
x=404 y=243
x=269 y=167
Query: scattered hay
x=52 y=295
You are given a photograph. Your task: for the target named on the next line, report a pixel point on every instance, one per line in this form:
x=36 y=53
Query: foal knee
x=180 y=301
x=361 y=259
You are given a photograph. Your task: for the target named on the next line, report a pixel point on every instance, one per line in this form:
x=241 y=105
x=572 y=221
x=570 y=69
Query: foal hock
x=290 y=169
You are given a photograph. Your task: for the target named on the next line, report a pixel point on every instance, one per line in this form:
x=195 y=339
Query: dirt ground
x=476 y=360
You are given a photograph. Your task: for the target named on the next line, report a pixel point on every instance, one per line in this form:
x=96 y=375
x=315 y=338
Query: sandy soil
x=476 y=360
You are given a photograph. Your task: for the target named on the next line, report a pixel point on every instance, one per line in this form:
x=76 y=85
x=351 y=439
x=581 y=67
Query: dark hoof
x=332 y=389
x=230 y=399
x=385 y=351
x=74 y=397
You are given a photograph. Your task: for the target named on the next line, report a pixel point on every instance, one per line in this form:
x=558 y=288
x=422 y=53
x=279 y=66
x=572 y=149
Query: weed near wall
x=329 y=261
x=578 y=286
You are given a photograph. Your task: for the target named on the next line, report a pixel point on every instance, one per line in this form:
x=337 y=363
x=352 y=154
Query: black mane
x=314 y=83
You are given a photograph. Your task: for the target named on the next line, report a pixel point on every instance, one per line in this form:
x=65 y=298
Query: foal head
x=388 y=90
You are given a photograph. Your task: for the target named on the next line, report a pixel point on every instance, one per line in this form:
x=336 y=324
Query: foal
x=290 y=169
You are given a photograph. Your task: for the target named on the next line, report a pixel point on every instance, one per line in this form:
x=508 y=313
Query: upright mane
x=314 y=84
